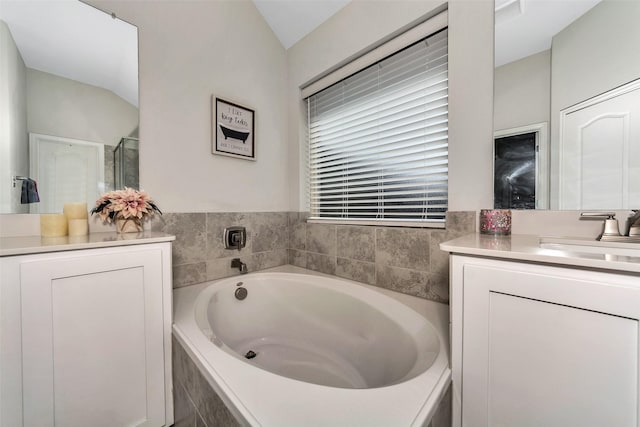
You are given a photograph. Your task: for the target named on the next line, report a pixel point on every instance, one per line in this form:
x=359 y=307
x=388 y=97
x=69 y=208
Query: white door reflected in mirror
x=600 y=151
x=66 y=170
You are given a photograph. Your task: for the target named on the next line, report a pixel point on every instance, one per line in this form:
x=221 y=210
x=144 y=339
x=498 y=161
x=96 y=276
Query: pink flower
x=127 y=203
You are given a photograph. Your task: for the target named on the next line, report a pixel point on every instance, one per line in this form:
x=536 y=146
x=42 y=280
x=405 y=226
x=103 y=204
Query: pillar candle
x=76 y=210
x=53 y=225
x=78 y=227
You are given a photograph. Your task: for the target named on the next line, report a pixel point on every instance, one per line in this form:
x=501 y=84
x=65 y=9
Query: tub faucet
x=236 y=263
x=632 y=227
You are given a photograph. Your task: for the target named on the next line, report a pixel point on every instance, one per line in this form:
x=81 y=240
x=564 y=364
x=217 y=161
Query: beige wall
x=189 y=51
x=14 y=148
x=522 y=92
x=62 y=107
x=360 y=26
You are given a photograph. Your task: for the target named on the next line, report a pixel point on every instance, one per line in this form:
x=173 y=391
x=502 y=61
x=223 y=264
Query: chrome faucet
x=236 y=263
x=632 y=226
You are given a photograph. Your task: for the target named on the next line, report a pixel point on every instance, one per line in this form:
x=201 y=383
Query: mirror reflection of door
x=519 y=168
x=66 y=170
x=600 y=151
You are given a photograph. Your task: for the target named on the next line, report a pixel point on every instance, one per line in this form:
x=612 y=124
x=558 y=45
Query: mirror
x=68 y=103
x=568 y=75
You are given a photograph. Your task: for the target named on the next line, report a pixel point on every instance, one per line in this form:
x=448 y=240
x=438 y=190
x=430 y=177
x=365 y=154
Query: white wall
x=14 y=148
x=189 y=51
x=360 y=26
x=522 y=92
x=62 y=107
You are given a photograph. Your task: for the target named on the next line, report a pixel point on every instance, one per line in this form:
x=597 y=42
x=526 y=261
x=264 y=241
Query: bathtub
x=314 y=350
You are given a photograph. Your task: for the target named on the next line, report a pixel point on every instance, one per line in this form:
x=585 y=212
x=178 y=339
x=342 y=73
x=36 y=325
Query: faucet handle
x=610 y=226
x=597 y=215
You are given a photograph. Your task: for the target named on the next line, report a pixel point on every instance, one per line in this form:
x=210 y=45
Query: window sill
x=379 y=223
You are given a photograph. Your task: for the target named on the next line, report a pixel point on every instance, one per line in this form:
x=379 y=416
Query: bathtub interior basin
x=630 y=248
x=320 y=333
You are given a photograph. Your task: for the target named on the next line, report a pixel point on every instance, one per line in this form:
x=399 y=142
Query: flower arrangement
x=125 y=204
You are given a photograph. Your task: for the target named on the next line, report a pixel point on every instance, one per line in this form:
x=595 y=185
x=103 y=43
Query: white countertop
x=527 y=248
x=25 y=245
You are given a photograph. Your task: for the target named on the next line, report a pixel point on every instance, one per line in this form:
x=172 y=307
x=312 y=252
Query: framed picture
x=233 y=130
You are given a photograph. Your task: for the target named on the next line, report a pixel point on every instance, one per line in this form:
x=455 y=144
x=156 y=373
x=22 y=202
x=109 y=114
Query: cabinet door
x=92 y=339
x=546 y=346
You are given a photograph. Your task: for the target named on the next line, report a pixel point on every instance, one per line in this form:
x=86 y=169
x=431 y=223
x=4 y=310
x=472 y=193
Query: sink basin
x=621 y=246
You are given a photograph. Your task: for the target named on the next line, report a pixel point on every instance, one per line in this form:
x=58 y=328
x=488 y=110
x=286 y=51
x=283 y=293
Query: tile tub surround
x=197 y=405
x=195 y=402
x=406 y=260
x=199 y=254
x=402 y=259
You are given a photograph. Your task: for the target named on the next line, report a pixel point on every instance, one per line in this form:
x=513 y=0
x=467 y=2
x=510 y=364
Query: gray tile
x=437 y=288
x=411 y=282
x=262 y=260
x=439 y=259
x=189 y=229
x=189 y=274
x=442 y=415
x=357 y=243
x=219 y=268
x=211 y=408
x=403 y=247
x=461 y=222
x=298 y=217
x=321 y=238
x=184 y=412
x=182 y=367
x=298 y=236
x=359 y=271
x=322 y=263
x=200 y=421
x=207 y=403
x=297 y=258
x=269 y=231
x=216 y=223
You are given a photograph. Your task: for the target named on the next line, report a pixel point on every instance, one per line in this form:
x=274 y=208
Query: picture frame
x=233 y=130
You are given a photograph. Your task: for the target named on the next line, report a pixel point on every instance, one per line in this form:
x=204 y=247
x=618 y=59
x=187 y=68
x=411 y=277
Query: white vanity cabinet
x=543 y=345
x=86 y=337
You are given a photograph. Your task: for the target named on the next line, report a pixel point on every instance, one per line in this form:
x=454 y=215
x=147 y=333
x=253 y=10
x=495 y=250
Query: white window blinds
x=378 y=140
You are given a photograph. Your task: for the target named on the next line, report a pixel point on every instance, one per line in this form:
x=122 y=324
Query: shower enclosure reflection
x=126 y=158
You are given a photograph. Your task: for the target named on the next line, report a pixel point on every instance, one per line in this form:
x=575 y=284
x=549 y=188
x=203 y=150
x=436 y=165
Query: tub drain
x=250 y=354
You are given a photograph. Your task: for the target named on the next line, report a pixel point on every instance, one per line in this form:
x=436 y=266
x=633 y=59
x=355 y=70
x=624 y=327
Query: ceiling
x=291 y=20
x=109 y=59
x=525 y=27
x=77 y=41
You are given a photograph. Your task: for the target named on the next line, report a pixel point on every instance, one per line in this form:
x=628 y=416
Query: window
x=378 y=140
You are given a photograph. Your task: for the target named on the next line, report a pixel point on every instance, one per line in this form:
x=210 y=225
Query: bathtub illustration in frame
x=233 y=130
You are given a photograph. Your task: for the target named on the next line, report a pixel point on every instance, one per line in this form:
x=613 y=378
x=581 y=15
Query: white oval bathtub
x=302 y=349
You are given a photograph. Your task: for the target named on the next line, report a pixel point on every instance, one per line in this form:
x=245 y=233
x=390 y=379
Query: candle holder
x=495 y=221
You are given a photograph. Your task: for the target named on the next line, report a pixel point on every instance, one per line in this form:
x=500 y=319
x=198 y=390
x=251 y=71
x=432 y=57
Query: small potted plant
x=126 y=208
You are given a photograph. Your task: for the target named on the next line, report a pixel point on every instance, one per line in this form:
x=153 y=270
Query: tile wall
x=195 y=402
x=406 y=260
